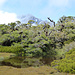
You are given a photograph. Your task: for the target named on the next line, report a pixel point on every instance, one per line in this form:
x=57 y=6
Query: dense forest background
x=55 y=42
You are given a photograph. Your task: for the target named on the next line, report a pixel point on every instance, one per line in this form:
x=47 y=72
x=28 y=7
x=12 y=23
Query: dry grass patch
x=42 y=70
x=5 y=56
x=2 y=54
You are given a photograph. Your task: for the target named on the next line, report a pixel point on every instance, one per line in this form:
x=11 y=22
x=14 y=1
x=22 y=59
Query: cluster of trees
x=40 y=40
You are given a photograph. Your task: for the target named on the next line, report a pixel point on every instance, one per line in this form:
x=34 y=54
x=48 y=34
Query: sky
x=11 y=10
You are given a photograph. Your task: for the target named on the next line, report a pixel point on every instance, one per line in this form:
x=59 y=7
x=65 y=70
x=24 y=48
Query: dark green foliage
x=4 y=29
x=65 y=19
x=69 y=41
x=12 y=25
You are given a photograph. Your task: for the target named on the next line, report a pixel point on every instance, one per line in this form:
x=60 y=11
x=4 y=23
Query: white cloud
x=6 y=17
x=2 y=2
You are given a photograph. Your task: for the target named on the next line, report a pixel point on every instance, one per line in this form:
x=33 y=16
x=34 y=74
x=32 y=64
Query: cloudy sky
x=10 y=10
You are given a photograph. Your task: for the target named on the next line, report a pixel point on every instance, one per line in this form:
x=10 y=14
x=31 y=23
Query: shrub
x=66 y=64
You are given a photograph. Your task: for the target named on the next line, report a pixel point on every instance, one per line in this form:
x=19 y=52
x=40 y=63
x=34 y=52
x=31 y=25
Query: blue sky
x=11 y=9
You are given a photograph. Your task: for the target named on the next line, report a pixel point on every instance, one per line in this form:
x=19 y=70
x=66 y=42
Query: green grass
x=4 y=55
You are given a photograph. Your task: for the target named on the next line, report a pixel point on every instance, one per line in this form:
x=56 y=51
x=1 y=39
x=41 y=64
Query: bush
x=69 y=41
x=66 y=64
